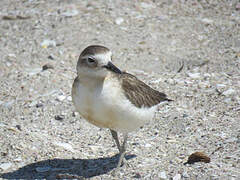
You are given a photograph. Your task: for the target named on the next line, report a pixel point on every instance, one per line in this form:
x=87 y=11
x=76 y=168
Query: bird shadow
x=55 y=168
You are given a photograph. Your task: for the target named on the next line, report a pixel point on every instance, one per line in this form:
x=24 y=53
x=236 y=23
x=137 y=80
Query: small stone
x=162 y=175
x=137 y=176
x=43 y=169
x=59 y=117
x=69 y=98
x=177 y=177
x=2 y=124
x=238 y=6
x=8 y=104
x=51 y=57
x=119 y=20
x=207 y=21
x=12 y=56
x=220 y=85
x=65 y=146
x=194 y=75
x=231 y=140
x=227 y=100
x=8 y=64
x=145 y=5
x=47 y=66
x=207 y=75
x=61 y=98
x=185 y=174
x=70 y=13
x=4 y=154
x=228 y=92
x=74 y=114
x=19 y=159
x=171 y=81
x=5 y=166
x=33 y=71
x=38 y=105
x=148 y=145
x=33 y=103
x=48 y=43
x=19 y=127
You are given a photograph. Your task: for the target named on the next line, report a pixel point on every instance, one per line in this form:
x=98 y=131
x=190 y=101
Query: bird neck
x=91 y=82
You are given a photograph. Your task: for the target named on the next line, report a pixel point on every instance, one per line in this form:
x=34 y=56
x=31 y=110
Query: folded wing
x=139 y=93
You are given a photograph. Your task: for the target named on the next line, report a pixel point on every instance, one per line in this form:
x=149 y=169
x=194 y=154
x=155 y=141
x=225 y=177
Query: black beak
x=110 y=66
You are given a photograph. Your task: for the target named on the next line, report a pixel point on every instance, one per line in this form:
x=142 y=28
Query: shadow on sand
x=50 y=169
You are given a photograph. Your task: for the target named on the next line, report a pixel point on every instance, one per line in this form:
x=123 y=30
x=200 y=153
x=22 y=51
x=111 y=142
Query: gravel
x=188 y=49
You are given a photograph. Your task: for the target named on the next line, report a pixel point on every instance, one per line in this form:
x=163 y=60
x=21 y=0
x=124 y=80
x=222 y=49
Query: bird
x=110 y=98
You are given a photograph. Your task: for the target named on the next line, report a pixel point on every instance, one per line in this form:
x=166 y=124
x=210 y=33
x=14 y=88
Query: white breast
x=106 y=106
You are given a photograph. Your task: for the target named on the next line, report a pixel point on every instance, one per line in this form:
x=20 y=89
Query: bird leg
x=122 y=149
x=115 y=137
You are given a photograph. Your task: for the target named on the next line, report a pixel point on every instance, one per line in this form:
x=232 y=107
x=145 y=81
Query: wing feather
x=139 y=93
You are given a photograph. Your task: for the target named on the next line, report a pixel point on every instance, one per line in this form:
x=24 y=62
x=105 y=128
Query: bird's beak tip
x=110 y=66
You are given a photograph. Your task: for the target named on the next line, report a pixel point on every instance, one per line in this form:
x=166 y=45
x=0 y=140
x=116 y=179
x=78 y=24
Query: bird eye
x=90 y=60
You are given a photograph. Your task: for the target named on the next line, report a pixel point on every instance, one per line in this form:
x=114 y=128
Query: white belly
x=108 y=107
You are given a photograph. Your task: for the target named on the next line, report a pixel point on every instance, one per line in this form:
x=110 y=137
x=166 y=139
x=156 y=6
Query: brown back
x=140 y=94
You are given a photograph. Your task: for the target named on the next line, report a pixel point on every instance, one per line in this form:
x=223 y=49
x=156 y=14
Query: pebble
x=12 y=56
x=8 y=104
x=205 y=84
x=5 y=166
x=231 y=140
x=50 y=93
x=177 y=177
x=207 y=75
x=162 y=175
x=228 y=92
x=145 y=5
x=207 y=21
x=19 y=159
x=194 y=75
x=148 y=145
x=51 y=57
x=19 y=127
x=33 y=103
x=119 y=20
x=59 y=117
x=65 y=146
x=227 y=100
x=238 y=6
x=48 y=43
x=185 y=174
x=47 y=66
x=38 y=105
x=61 y=98
x=74 y=114
x=157 y=81
x=8 y=64
x=171 y=81
x=33 y=71
x=69 y=98
x=220 y=85
x=2 y=125
x=70 y=13
x=43 y=169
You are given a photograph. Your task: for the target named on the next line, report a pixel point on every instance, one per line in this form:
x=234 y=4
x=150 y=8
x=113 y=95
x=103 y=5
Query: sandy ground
x=188 y=49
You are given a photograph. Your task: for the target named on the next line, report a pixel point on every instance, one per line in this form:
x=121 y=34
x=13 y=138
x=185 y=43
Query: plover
x=110 y=98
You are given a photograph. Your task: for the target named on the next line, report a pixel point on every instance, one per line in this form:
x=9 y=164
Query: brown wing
x=139 y=93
